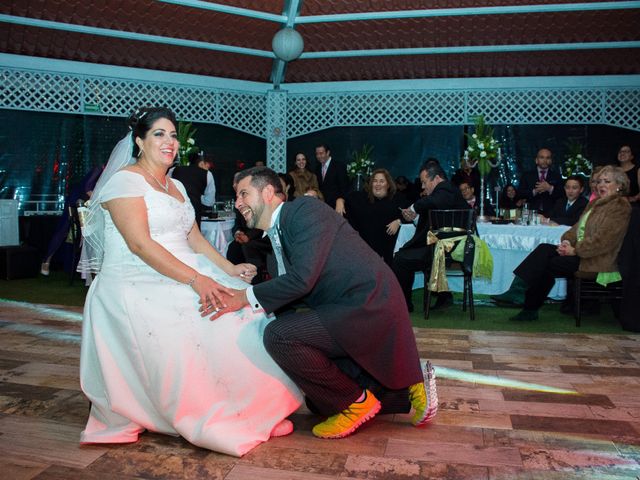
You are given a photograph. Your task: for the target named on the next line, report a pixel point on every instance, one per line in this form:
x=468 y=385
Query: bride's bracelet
x=193 y=280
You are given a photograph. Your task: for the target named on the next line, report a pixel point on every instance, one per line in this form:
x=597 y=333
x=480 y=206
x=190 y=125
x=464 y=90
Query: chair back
x=457 y=221
x=454 y=223
x=446 y=224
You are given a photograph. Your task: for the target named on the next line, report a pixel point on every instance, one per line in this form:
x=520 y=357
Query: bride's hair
x=143 y=118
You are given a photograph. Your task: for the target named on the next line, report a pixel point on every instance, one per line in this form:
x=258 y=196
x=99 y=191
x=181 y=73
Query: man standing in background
x=332 y=179
x=543 y=186
x=198 y=182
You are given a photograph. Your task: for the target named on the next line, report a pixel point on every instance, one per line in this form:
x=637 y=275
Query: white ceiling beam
x=533 y=47
x=142 y=37
x=423 y=13
x=216 y=7
x=469 y=11
x=314 y=55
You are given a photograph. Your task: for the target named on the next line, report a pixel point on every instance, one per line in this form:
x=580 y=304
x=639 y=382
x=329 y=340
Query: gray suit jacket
x=356 y=295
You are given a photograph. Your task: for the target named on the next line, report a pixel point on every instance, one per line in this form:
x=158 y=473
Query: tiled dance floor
x=513 y=406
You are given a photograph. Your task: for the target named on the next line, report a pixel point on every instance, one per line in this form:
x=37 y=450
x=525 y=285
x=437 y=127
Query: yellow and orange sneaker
x=424 y=397
x=348 y=420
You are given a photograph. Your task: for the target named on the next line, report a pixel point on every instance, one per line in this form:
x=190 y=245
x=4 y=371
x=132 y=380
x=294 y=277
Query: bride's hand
x=213 y=296
x=246 y=271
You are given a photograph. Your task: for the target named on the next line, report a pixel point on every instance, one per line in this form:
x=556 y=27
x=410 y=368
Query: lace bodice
x=169 y=219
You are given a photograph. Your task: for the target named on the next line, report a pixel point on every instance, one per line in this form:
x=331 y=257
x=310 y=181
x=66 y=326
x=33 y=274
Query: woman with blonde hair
x=591 y=245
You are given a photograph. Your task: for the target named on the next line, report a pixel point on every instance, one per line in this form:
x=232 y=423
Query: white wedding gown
x=149 y=361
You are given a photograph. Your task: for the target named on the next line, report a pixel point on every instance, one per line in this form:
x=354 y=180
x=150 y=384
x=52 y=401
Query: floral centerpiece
x=187 y=147
x=482 y=151
x=576 y=163
x=361 y=163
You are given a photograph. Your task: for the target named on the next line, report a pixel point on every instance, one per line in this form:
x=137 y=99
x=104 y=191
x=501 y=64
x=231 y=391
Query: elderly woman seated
x=591 y=245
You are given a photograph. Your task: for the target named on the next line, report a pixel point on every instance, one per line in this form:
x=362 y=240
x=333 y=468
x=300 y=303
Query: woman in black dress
x=509 y=198
x=375 y=213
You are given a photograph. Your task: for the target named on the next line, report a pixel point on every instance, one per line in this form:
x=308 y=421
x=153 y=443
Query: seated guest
x=249 y=245
x=467 y=174
x=405 y=189
x=591 y=245
x=567 y=211
x=469 y=195
x=509 y=198
x=305 y=181
x=543 y=186
x=415 y=256
x=593 y=183
x=288 y=186
x=375 y=213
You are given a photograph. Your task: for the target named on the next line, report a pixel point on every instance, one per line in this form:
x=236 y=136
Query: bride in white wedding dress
x=149 y=359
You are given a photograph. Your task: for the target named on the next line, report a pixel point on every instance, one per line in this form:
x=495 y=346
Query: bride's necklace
x=164 y=187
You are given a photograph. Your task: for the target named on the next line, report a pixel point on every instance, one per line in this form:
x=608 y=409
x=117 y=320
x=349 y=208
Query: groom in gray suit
x=351 y=349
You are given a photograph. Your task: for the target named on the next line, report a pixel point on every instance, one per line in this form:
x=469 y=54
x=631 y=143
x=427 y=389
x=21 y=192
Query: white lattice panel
x=536 y=106
x=41 y=91
x=401 y=108
x=243 y=111
x=54 y=92
x=306 y=113
x=277 y=131
x=623 y=108
x=310 y=113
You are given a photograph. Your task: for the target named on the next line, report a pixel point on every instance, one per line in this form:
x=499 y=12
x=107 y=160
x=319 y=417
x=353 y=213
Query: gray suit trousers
x=302 y=346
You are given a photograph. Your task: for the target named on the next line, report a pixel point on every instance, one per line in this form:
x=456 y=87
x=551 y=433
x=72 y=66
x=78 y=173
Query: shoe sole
x=432 y=395
x=372 y=413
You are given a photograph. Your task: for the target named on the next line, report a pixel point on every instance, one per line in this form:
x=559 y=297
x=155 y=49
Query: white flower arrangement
x=187 y=147
x=361 y=163
x=576 y=163
x=483 y=150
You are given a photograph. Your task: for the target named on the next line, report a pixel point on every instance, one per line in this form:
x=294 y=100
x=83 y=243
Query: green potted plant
x=361 y=165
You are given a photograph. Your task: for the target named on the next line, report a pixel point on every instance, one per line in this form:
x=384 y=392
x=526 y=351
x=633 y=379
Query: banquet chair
x=447 y=224
x=586 y=288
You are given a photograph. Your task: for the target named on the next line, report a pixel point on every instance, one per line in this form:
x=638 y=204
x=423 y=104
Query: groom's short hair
x=261 y=177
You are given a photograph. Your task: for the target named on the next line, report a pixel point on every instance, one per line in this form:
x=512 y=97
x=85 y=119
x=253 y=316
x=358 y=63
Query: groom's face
x=251 y=203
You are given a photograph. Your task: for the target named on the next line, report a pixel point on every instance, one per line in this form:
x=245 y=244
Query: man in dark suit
x=567 y=211
x=198 y=182
x=332 y=179
x=414 y=256
x=469 y=195
x=249 y=245
x=353 y=346
x=542 y=186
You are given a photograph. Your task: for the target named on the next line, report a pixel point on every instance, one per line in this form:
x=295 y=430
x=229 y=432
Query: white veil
x=93 y=228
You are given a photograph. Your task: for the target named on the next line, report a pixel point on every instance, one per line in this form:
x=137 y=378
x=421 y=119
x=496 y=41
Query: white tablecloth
x=218 y=232
x=509 y=245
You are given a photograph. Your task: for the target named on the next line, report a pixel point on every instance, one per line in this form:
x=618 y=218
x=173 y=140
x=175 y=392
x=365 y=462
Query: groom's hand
x=235 y=302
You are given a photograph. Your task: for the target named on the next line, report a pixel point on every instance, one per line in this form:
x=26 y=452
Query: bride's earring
x=140 y=153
